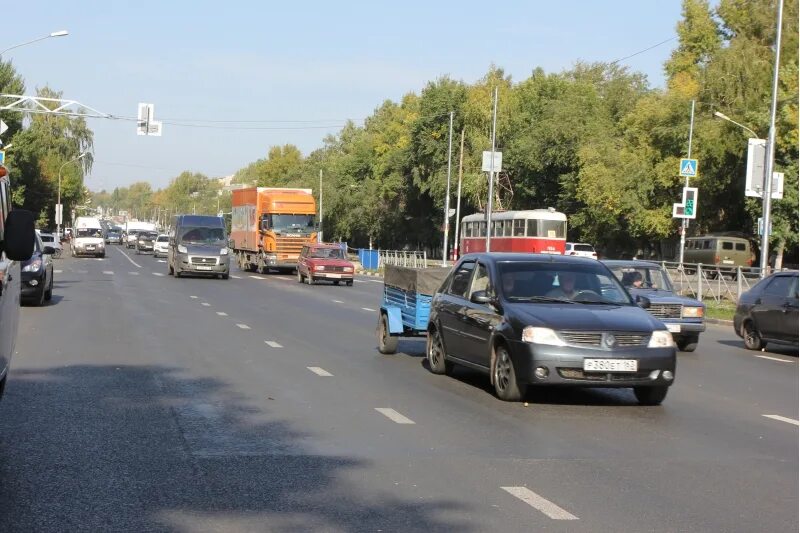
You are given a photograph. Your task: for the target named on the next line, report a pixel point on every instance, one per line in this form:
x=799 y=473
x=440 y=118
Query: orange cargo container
x=270 y=225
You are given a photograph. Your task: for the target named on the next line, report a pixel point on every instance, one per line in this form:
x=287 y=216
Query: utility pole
x=491 y=178
x=685 y=221
x=457 y=244
x=319 y=232
x=447 y=197
x=767 y=188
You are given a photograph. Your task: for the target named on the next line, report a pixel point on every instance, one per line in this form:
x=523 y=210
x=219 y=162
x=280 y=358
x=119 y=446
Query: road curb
x=369 y=273
x=719 y=321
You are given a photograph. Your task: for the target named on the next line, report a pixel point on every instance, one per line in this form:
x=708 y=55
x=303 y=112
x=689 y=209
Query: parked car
x=767 y=313
x=324 y=262
x=683 y=316
x=37 y=274
x=580 y=249
x=145 y=241
x=161 y=246
x=49 y=239
x=548 y=320
x=725 y=252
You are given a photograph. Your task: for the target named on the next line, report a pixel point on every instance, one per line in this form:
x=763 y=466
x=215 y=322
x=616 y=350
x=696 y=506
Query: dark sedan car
x=145 y=240
x=37 y=275
x=767 y=313
x=548 y=320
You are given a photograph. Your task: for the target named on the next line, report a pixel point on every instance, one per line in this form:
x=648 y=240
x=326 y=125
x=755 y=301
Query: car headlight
x=692 y=312
x=223 y=251
x=536 y=335
x=660 y=339
x=33 y=266
x=319 y=267
x=348 y=269
x=182 y=249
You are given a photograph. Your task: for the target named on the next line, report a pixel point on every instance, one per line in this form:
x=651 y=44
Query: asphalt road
x=141 y=402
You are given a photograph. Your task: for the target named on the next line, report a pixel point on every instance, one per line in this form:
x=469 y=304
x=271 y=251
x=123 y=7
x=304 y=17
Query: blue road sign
x=2 y=157
x=688 y=168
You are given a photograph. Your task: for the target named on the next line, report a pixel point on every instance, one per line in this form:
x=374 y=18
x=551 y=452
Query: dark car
x=37 y=274
x=683 y=316
x=767 y=313
x=114 y=235
x=548 y=320
x=145 y=240
x=324 y=261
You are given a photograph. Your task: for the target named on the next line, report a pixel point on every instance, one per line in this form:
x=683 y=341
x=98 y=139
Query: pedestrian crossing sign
x=688 y=168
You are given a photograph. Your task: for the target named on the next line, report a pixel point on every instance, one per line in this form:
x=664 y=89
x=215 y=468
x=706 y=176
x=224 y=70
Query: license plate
x=202 y=267
x=90 y=247
x=610 y=365
x=727 y=261
x=674 y=328
x=334 y=275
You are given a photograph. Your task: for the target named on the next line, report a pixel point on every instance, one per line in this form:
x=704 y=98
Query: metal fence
x=405 y=258
x=711 y=282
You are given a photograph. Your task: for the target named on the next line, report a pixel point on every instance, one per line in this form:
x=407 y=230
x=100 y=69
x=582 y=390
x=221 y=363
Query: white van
x=88 y=238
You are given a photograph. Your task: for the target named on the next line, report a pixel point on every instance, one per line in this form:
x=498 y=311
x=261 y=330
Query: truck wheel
x=386 y=342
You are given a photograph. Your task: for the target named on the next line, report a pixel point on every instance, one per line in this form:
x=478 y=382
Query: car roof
x=324 y=245
x=630 y=263
x=499 y=257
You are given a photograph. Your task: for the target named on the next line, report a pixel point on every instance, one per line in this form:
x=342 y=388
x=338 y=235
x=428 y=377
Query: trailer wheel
x=386 y=342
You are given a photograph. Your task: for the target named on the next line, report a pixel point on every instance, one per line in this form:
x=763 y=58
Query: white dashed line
x=783 y=419
x=368 y=309
x=205 y=304
x=242 y=326
x=359 y=281
x=394 y=416
x=236 y=277
x=273 y=344
x=255 y=277
x=133 y=273
x=774 y=359
x=193 y=297
x=158 y=274
x=540 y=504
x=137 y=265
x=108 y=272
x=376 y=280
x=57 y=271
x=283 y=278
x=337 y=301
x=319 y=371
x=161 y=261
x=222 y=313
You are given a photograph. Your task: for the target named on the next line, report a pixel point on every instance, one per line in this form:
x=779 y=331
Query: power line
x=643 y=51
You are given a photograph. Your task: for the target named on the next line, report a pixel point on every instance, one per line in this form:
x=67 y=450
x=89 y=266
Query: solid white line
x=774 y=359
x=283 y=278
x=337 y=301
x=359 y=281
x=243 y=326
x=783 y=419
x=133 y=273
x=158 y=274
x=273 y=344
x=57 y=271
x=540 y=504
x=368 y=309
x=137 y=265
x=108 y=272
x=319 y=371
x=376 y=280
x=222 y=313
x=205 y=304
x=236 y=277
x=394 y=416
x=255 y=277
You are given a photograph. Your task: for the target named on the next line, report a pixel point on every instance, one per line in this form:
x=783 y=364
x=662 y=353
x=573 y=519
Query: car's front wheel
x=751 y=336
x=436 y=358
x=650 y=395
x=505 y=377
x=687 y=344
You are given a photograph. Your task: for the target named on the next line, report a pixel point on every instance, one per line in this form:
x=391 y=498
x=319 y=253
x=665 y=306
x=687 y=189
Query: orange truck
x=270 y=226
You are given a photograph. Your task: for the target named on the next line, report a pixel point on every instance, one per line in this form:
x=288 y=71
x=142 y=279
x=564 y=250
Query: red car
x=324 y=261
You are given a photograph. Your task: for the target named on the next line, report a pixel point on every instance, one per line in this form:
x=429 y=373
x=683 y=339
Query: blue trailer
x=406 y=306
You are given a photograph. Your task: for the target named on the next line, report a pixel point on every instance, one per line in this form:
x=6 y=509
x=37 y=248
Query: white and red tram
x=540 y=231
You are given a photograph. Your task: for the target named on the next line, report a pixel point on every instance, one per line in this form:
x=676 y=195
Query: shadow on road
x=147 y=448
x=770 y=348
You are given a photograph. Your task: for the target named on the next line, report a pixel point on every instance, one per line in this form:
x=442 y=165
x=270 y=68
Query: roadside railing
x=712 y=282
x=404 y=258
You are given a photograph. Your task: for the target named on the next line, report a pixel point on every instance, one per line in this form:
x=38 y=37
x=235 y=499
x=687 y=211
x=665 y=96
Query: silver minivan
x=198 y=245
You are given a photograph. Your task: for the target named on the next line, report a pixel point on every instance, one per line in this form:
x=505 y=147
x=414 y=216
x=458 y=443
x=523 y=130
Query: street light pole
x=457 y=244
x=60 y=33
x=767 y=200
x=59 y=208
x=491 y=178
x=447 y=197
x=684 y=221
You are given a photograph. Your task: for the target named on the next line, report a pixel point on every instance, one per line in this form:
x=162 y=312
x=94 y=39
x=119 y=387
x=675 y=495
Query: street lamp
x=729 y=119
x=60 y=33
x=59 y=209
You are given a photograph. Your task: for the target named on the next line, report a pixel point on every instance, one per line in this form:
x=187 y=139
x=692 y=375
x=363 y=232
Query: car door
x=9 y=288
x=789 y=318
x=768 y=310
x=302 y=266
x=479 y=319
x=451 y=307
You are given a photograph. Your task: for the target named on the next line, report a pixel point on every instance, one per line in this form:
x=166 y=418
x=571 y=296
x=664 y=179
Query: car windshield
x=47 y=238
x=583 y=248
x=147 y=236
x=90 y=232
x=292 y=223
x=642 y=277
x=203 y=235
x=162 y=238
x=551 y=282
x=327 y=253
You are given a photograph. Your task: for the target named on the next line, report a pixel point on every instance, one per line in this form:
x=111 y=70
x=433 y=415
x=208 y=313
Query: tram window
x=507 y=228
x=519 y=228
x=532 y=228
x=482 y=230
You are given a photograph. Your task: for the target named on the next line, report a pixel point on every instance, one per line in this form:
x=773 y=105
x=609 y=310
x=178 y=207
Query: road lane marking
x=319 y=371
x=236 y=277
x=540 y=504
x=243 y=326
x=222 y=313
x=283 y=278
x=394 y=416
x=273 y=344
x=368 y=309
x=133 y=273
x=193 y=297
x=158 y=273
x=137 y=265
x=774 y=359
x=161 y=261
x=337 y=301
x=376 y=280
x=783 y=419
x=205 y=304
x=255 y=277
x=359 y=281
x=108 y=272
x=57 y=271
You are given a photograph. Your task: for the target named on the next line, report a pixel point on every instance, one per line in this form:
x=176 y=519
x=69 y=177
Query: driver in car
x=566 y=286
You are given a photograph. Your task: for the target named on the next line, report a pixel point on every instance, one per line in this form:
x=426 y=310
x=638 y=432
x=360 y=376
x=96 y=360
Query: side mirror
x=20 y=235
x=643 y=302
x=264 y=225
x=48 y=250
x=480 y=297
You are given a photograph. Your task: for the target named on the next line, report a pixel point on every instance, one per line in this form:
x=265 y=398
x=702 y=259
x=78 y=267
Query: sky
x=297 y=69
